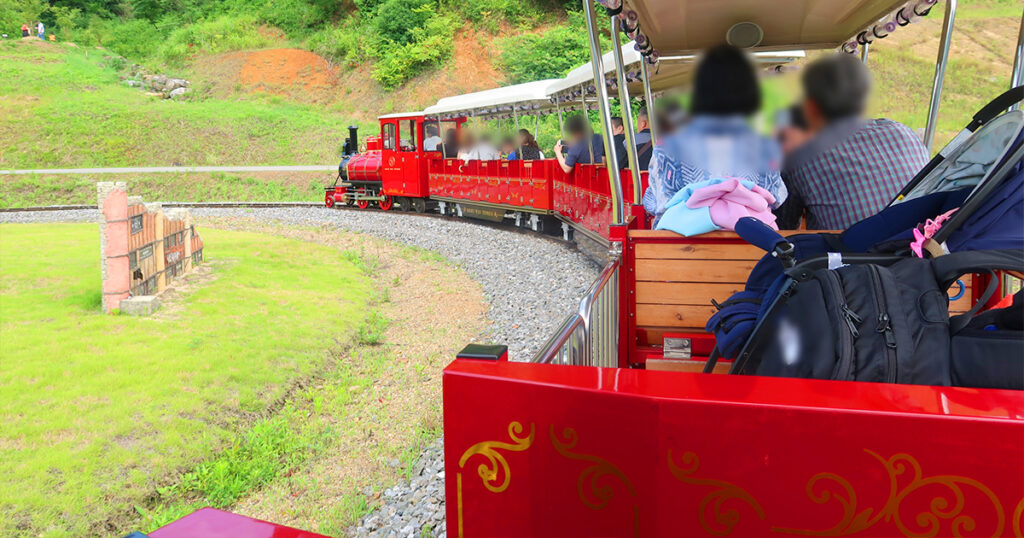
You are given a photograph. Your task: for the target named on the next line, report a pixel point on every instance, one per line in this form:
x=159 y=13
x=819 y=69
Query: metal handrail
x=589 y=337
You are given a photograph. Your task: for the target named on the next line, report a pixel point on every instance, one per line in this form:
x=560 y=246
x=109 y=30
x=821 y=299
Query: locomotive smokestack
x=353 y=138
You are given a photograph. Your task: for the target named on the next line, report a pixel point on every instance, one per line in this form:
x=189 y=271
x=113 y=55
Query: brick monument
x=142 y=248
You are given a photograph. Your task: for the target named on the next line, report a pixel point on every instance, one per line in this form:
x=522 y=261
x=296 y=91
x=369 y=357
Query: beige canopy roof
x=685 y=26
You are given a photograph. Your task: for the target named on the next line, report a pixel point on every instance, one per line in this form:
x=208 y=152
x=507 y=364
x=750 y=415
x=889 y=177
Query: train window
x=389 y=136
x=434 y=134
x=407 y=135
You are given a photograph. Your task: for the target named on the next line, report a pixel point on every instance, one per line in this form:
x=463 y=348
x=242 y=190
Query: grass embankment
x=34 y=189
x=64 y=106
x=99 y=411
x=297 y=368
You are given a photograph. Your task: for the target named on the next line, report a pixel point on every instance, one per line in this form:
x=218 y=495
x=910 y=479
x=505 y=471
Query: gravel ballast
x=531 y=282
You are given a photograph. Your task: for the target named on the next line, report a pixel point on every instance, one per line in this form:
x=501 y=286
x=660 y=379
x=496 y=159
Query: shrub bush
x=530 y=57
x=430 y=45
x=222 y=34
x=398 y=20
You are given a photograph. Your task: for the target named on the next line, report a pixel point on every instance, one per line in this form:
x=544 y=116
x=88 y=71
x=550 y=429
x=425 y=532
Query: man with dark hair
x=432 y=140
x=579 y=151
x=849 y=168
x=642 y=137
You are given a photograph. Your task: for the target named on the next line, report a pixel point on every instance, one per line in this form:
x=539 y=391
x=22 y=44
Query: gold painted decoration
x=723 y=519
x=592 y=493
x=1018 y=520
x=489 y=471
x=906 y=478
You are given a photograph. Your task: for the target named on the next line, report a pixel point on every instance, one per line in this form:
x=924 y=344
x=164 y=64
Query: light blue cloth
x=691 y=221
x=712 y=147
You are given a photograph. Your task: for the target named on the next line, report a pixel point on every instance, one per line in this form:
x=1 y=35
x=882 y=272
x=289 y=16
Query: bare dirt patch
x=294 y=73
x=434 y=310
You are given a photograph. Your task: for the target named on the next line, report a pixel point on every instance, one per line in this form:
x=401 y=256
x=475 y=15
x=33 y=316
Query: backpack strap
x=950 y=267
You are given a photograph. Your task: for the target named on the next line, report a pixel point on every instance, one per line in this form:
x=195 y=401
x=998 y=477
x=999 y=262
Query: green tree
x=552 y=54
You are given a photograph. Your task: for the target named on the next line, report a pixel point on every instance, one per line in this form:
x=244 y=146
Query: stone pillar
x=112 y=199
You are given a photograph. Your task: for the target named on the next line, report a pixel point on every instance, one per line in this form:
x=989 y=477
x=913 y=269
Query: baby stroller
x=979 y=174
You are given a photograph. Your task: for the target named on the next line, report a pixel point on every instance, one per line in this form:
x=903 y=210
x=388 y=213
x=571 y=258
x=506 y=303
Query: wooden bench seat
x=676 y=277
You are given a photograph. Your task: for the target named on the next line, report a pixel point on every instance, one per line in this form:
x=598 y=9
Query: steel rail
x=590 y=336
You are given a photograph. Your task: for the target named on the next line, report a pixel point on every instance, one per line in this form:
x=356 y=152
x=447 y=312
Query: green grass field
x=63 y=106
x=101 y=411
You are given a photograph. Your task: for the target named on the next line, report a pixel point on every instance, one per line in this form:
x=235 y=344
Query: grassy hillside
x=259 y=96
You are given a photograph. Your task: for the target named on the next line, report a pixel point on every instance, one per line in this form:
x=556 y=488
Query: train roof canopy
x=670 y=72
x=527 y=97
x=686 y=26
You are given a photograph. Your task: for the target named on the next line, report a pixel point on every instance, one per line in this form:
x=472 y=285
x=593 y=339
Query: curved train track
x=595 y=247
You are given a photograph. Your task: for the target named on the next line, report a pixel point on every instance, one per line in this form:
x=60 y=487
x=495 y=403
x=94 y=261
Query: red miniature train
x=395 y=172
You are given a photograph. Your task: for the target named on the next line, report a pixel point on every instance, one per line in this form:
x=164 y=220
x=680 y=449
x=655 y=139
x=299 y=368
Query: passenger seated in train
x=717 y=143
x=642 y=136
x=849 y=168
x=579 y=151
x=482 y=150
x=450 y=146
x=508 y=148
x=528 y=149
x=431 y=140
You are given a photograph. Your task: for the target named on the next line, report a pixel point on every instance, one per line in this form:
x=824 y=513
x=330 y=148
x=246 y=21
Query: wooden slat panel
x=691 y=366
x=694 y=271
x=689 y=293
x=683 y=316
x=697 y=251
x=665 y=234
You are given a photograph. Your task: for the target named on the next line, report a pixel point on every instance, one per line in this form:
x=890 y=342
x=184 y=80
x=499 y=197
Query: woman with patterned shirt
x=718 y=142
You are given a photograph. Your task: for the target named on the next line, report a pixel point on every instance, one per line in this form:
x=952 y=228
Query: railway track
x=592 y=245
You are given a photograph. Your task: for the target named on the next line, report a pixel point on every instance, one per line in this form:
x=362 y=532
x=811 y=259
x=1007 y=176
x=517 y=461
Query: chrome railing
x=589 y=337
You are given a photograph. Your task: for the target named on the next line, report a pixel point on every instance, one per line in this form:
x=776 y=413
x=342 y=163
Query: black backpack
x=884 y=320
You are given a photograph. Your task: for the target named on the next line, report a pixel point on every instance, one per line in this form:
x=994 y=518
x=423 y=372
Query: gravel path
x=531 y=283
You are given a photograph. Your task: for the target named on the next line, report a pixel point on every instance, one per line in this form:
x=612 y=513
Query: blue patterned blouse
x=712 y=147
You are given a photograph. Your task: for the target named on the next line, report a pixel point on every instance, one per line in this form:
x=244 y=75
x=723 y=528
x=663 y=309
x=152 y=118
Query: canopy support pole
x=864 y=53
x=561 y=124
x=940 y=73
x=618 y=211
x=515 y=135
x=1017 y=77
x=586 y=118
x=649 y=100
x=627 y=111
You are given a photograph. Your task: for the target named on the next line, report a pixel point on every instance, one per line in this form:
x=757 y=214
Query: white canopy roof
x=526 y=97
x=685 y=26
x=671 y=71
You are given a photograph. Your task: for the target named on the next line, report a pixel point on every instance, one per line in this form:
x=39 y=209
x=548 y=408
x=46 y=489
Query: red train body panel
x=584 y=451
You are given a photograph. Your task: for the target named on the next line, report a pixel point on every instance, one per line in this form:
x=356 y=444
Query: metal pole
x=627 y=111
x=649 y=100
x=561 y=124
x=515 y=135
x=618 y=211
x=940 y=73
x=1017 y=77
x=864 y=53
x=586 y=118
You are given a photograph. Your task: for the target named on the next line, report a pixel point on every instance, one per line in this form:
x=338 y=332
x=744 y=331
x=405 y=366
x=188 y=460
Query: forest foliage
x=399 y=38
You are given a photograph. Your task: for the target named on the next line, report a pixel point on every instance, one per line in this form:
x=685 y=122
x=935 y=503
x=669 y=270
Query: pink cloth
x=730 y=200
x=930 y=227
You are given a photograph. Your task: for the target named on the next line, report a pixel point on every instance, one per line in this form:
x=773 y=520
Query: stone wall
x=142 y=247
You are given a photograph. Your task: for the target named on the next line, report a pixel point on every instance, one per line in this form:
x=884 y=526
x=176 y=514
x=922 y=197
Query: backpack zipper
x=884 y=323
x=852 y=319
x=844 y=368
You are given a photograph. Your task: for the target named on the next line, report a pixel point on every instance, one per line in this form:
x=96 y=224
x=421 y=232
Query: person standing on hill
x=41 y=31
x=24 y=30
